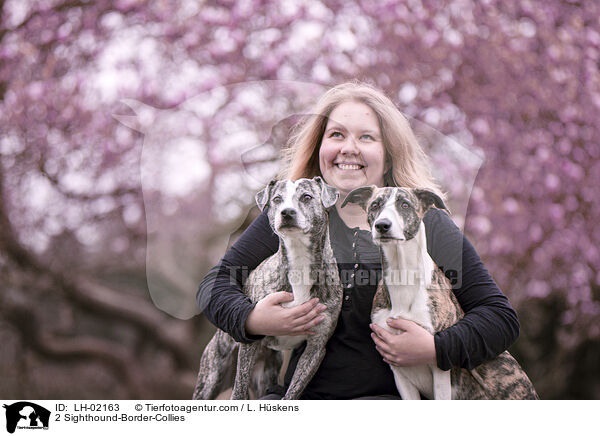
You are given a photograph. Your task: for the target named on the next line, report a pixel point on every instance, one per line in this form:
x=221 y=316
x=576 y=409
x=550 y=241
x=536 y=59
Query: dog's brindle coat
x=216 y=371
x=425 y=297
x=303 y=265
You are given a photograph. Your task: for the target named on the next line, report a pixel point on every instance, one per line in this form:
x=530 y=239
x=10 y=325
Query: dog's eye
x=405 y=205
x=374 y=205
x=306 y=197
x=277 y=199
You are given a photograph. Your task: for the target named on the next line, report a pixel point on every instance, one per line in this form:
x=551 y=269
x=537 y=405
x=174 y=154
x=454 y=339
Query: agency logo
x=26 y=415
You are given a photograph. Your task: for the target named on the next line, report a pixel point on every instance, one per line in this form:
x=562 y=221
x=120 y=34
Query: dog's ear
x=429 y=198
x=329 y=195
x=360 y=196
x=262 y=196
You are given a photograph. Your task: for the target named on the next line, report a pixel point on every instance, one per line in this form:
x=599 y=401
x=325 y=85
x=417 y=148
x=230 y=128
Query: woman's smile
x=346 y=166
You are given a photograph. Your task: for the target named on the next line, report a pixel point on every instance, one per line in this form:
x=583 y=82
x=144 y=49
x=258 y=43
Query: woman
x=358 y=137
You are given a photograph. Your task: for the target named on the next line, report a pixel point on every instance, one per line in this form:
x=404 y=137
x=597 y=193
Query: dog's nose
x=383 y=225
x=288 y=213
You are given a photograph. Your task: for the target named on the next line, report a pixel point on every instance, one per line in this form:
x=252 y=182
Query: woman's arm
x=220 y=294
x=490 y=324
x=224 y=304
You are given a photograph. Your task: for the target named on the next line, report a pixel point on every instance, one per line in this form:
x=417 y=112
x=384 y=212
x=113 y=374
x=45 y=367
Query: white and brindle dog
x=303 y=265
x=414 y=288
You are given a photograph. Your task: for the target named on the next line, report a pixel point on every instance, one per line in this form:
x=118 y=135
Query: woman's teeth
x=349 y=166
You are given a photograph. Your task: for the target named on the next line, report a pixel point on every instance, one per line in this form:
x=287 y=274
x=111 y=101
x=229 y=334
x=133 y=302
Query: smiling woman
x=352 y=152
x=356 y=137
x=360 y=112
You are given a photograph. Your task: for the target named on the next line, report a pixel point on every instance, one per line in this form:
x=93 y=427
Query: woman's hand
x=269 y=318
x=412 y=346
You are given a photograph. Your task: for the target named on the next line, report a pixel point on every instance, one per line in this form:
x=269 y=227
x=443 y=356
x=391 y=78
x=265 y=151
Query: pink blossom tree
x=517 y=80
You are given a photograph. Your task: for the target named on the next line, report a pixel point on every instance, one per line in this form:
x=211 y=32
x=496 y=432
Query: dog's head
x=394 y=214
x=297 y=207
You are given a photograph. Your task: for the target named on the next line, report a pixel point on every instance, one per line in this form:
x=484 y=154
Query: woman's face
x=352 y=153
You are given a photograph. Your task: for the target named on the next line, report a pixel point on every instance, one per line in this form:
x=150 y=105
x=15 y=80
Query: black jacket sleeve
x=220 y=294
x=490 y=324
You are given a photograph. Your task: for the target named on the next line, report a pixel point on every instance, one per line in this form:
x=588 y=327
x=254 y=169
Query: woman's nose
x=349 y=146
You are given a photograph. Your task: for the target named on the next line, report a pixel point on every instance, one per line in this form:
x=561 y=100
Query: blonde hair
x=410 y=164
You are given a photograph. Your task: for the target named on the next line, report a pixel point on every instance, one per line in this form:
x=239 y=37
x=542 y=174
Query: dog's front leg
x=214 y=365
x=305 y=369
x=266 y=371
x=407 y=390
x=442 y=384
x=246 y=360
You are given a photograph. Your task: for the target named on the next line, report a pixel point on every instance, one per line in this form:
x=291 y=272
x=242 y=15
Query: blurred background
x=133 y=135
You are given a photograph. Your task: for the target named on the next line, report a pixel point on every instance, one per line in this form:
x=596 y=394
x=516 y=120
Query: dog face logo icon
x=26 y=415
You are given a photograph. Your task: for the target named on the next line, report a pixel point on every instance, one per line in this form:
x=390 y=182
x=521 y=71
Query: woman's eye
x=277 y=199
x=336 y=135
x=306 y=197
x=369 y=137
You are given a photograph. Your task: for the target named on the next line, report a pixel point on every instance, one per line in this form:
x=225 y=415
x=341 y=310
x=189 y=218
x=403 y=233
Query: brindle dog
x=303 y=265
x=414 y=288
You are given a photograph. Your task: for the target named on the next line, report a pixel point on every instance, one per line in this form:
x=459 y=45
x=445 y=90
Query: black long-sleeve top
x=352 y=367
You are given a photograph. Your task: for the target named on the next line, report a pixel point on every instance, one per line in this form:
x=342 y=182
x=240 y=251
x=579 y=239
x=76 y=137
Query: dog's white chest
x=410 y=300
x=407 y=277
x=300 y=279
x=300 y=274
x=301 y=295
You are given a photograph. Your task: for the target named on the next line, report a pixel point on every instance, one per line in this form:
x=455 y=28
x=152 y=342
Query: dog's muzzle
x=383 y=226
x=382 y=231
x=288 y=213
x=288 y=218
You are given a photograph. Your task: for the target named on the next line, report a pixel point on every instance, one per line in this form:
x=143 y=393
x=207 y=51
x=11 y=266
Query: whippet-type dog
x=304 y=265
x=414 y=288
